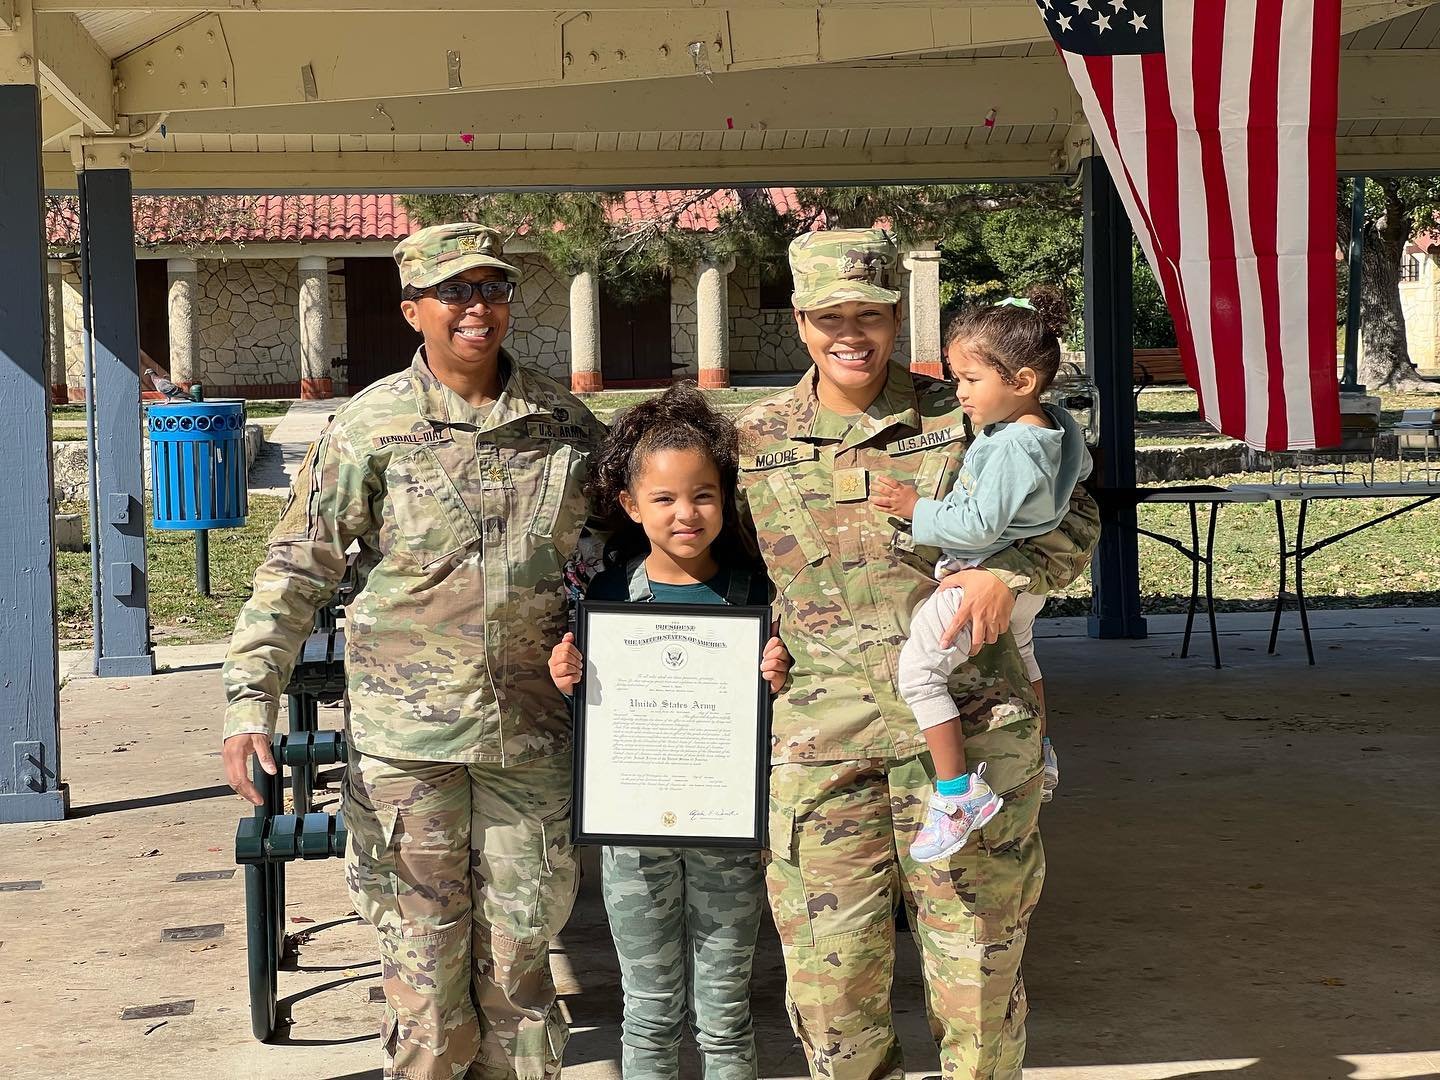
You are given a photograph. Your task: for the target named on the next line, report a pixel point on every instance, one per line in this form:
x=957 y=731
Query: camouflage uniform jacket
x=847 y=578
x=463 y=530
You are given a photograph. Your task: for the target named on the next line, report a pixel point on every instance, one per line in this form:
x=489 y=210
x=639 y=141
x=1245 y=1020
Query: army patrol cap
x=438 y=253
x=844 y=264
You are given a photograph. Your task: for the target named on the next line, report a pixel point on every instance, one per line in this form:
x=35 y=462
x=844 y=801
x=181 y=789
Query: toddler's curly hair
x=1009 y=338
x=678 y=419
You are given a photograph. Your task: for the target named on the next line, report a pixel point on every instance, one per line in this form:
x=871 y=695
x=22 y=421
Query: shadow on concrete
x=219 y=791
x=180 y=669
x=284 y=1010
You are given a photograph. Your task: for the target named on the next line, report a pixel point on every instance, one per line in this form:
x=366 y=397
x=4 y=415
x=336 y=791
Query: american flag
x=1217 y=119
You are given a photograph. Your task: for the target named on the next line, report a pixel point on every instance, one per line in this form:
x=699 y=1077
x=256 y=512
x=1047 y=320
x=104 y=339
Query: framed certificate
x=672 y=725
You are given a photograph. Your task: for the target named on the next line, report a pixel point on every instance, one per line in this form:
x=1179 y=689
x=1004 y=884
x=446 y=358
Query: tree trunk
x=1385 y=355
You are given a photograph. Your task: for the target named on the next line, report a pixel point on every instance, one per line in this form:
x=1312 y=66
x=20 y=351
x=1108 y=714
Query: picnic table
x=1415 y=495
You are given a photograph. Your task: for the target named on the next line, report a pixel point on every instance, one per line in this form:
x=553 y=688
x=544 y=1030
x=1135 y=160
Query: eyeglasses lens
x=462 y=292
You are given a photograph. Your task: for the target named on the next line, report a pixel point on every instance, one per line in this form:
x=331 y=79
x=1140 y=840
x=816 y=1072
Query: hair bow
x=1016 y=301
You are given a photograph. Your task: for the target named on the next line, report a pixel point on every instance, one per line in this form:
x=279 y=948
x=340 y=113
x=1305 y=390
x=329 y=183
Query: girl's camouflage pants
x=466 y=872
x=684 y=922
x=840 y=836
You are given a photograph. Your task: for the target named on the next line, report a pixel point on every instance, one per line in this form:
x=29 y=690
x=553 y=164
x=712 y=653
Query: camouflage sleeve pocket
x=297 y=517
x=787 y=532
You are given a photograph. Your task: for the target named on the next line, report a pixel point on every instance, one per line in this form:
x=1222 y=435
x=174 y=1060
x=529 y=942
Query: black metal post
x=202 y=561
x=1109 y=347
x=1351 y=383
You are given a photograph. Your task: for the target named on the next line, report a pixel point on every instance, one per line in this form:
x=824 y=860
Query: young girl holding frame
x=684 y=920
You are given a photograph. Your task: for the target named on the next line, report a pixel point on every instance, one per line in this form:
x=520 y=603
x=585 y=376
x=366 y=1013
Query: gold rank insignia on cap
x=851 y=485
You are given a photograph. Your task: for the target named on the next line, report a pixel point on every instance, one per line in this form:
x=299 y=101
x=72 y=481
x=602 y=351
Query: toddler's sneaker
x=1052 y=772
x=950 y=821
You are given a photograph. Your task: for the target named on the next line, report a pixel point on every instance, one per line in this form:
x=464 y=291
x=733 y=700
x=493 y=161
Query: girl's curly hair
x=678 y=419
x=1009 y=338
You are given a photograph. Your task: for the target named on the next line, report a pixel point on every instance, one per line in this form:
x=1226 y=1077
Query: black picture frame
x=584 y=730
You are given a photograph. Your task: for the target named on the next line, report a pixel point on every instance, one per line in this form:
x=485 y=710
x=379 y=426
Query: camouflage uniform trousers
x=840 y=835
x=467 y=873
x=685 y=922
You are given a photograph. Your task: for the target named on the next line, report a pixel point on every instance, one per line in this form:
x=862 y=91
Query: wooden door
x=152 y=309
x=378 y=340
x=635 y=346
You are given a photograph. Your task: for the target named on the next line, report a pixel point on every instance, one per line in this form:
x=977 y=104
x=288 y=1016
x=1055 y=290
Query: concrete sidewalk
x=286 y=444
x=1244 y=868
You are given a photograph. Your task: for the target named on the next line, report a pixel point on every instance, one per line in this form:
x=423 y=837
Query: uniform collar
x=897 y=406
x=519 y=396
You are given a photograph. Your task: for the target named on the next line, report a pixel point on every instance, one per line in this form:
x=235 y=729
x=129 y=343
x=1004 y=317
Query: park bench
x=264 y=844
x=271 y=838
x=1157 y=367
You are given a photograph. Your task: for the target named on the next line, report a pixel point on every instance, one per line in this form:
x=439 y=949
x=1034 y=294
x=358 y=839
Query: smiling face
x=676 y=498
x=462 y=337
x=851 y=344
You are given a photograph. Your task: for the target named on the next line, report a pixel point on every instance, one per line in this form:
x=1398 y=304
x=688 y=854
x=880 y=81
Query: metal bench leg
x=1210 y=581
x=263 y=921
x=1300 y=581
x=304 y=719
x=258 y=938
x=1280 y=594
x=1194 y=554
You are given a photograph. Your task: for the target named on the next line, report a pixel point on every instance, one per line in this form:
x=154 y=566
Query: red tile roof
x=320 y=218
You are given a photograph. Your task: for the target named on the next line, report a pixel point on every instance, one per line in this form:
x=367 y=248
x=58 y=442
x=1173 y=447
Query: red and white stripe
x=1223 y=151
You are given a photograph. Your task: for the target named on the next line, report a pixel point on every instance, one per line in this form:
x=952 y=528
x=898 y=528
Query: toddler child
x=1015 y=482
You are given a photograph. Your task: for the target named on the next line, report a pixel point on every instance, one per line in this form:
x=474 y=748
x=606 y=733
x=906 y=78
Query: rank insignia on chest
x=851 y=485
x=494 y=475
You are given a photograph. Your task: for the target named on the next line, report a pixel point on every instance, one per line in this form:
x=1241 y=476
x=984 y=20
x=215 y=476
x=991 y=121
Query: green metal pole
x=1350 y=384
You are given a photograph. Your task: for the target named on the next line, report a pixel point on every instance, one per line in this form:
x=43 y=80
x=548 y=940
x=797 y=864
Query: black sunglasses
x=457 y=293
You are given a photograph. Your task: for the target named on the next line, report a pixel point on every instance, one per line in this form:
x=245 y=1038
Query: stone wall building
x=306 y=305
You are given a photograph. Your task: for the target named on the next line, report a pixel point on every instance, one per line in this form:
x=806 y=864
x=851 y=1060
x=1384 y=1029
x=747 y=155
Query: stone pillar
x=315 y=380
x=585 y=376
x=55 y=340
x=712 y=323
x=184 y=297
x=924 y=315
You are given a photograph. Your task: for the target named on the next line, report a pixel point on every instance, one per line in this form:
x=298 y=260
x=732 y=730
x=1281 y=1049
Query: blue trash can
x=197 y=464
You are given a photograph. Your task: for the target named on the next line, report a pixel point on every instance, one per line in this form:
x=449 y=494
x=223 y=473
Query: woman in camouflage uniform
x=460 y=478
x=850 y=773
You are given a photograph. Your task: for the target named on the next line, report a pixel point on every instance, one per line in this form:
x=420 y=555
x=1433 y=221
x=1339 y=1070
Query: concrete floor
x=1244 y=881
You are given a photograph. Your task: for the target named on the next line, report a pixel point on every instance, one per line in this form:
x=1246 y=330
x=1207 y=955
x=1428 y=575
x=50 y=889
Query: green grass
x=252 y=409
x=179 y=615
x=606 y=404
x=1180 y=406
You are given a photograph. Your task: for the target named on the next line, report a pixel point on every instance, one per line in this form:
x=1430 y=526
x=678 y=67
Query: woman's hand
x=776 y=662
x=897 y=500
x=566 y=664
x=236 y=752
x=986 y=608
